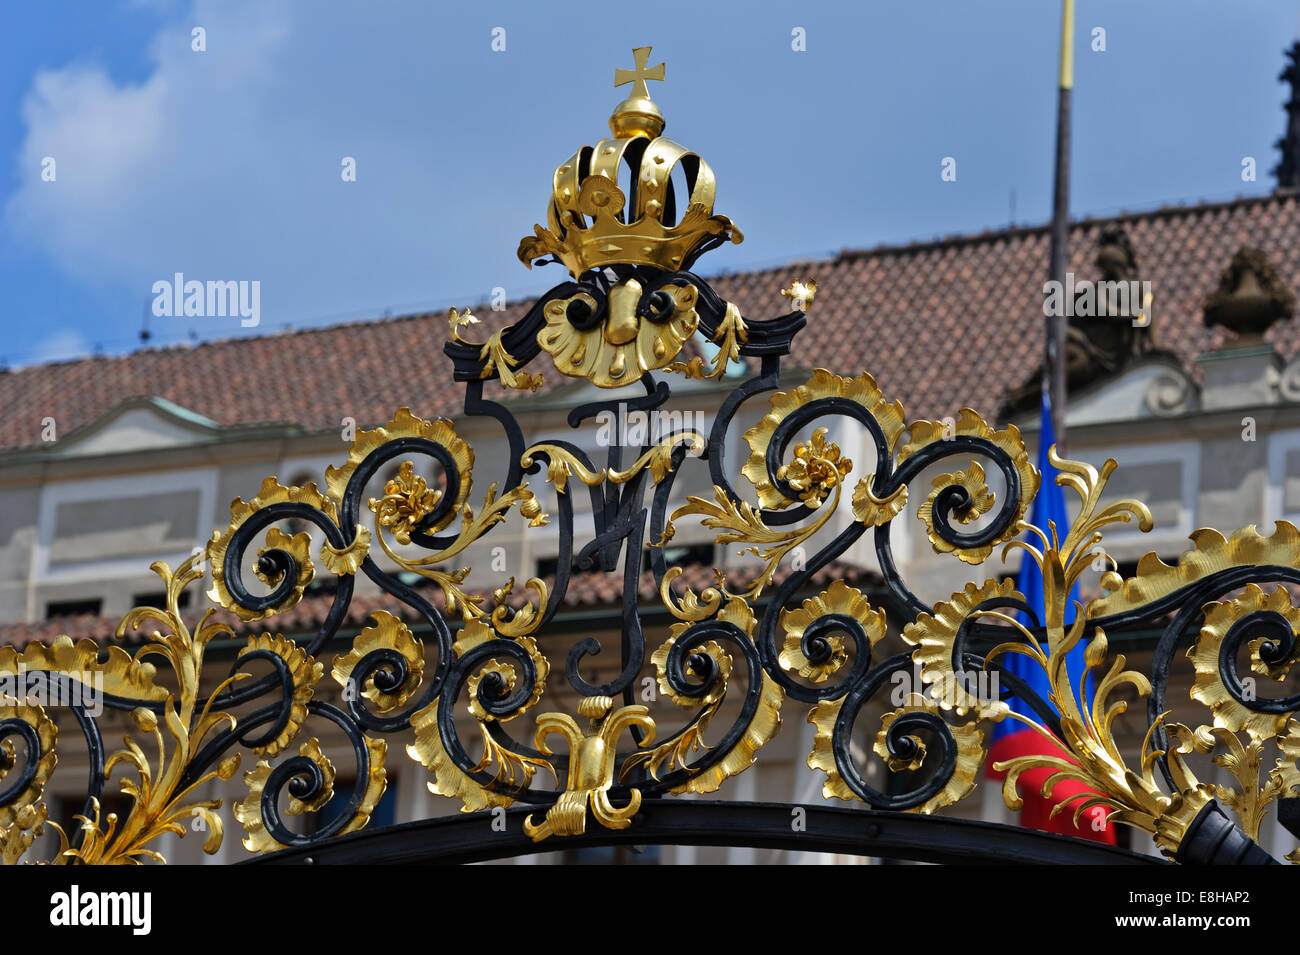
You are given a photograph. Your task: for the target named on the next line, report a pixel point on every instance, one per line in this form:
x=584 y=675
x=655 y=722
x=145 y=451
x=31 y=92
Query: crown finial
x=638 y=115
x=592 y=222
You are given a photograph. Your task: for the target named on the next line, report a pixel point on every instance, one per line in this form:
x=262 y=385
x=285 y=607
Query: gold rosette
x=815 y=468
x=861 y=390
x=406 y=425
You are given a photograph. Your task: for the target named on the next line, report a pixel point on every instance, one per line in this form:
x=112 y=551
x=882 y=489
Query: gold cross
x=640 y=74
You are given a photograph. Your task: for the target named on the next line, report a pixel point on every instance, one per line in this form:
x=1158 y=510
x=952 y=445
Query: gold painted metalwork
x=503 y=364
x=969 y=423
x=589 y=225
x=592 y=754
x=934 y=635
x=593 y=224
x=272 y=492
x=505 y=766
x=458 y=320
x=249 y=811
x=405 y=425
x=623 y=345
x=637 y=115
x=160 y=804
x=346 y=561
x=1211 y=551
x=676 y=752
x=971 y=479
x=969 y=740
x=839 y=598
x=816 y=469
x=47 y=734
x=739 y=522
x=730 y=335
x=862 y=390
x=1209 y=688
x=801 y=294
x=407 y=500
x=303 y=670
x=1088 y=751
x=387 y=633
x=564 y=464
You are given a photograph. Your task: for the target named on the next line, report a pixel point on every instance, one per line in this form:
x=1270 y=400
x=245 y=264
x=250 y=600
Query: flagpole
x=1054 y=365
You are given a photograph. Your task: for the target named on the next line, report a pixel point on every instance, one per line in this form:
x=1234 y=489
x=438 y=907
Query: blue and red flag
x=1013 y=738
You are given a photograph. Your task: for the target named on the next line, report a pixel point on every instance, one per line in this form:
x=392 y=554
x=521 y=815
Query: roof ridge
x=912 y=247
x=963 y=239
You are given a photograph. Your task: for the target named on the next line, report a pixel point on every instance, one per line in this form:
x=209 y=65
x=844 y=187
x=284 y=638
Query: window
x=548 y=566
x=73 y=608
x=112 y=527
x=158 y=599
x=694 y=555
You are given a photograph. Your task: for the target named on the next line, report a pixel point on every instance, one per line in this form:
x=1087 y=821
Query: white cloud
x=225 y=165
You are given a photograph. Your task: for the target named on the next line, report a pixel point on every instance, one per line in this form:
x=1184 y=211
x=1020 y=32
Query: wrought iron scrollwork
x=734 y=654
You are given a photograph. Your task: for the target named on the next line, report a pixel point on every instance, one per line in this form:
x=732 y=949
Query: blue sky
x=225 y=164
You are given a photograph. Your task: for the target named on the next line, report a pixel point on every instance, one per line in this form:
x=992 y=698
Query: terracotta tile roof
x=592 y=590
x=940 y=324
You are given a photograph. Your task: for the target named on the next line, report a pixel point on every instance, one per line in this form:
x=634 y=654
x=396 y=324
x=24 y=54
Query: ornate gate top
x=581 y=755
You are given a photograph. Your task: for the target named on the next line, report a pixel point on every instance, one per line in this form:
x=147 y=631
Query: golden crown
x=592 y=223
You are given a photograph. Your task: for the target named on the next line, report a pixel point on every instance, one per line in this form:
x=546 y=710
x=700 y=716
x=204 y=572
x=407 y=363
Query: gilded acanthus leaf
x=44 y=759
x=304 y=672
x=730 y=335
x=967 y=740
x=387 y=633
x=934 y=635
x=1211 y=552
x=347 y=561
x=1210 y=688
x=448 y=778
x=676 y=751
x=296 y=545
x=249 y=811
x=839 y=599
x=739 y=522
x=969 y=424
